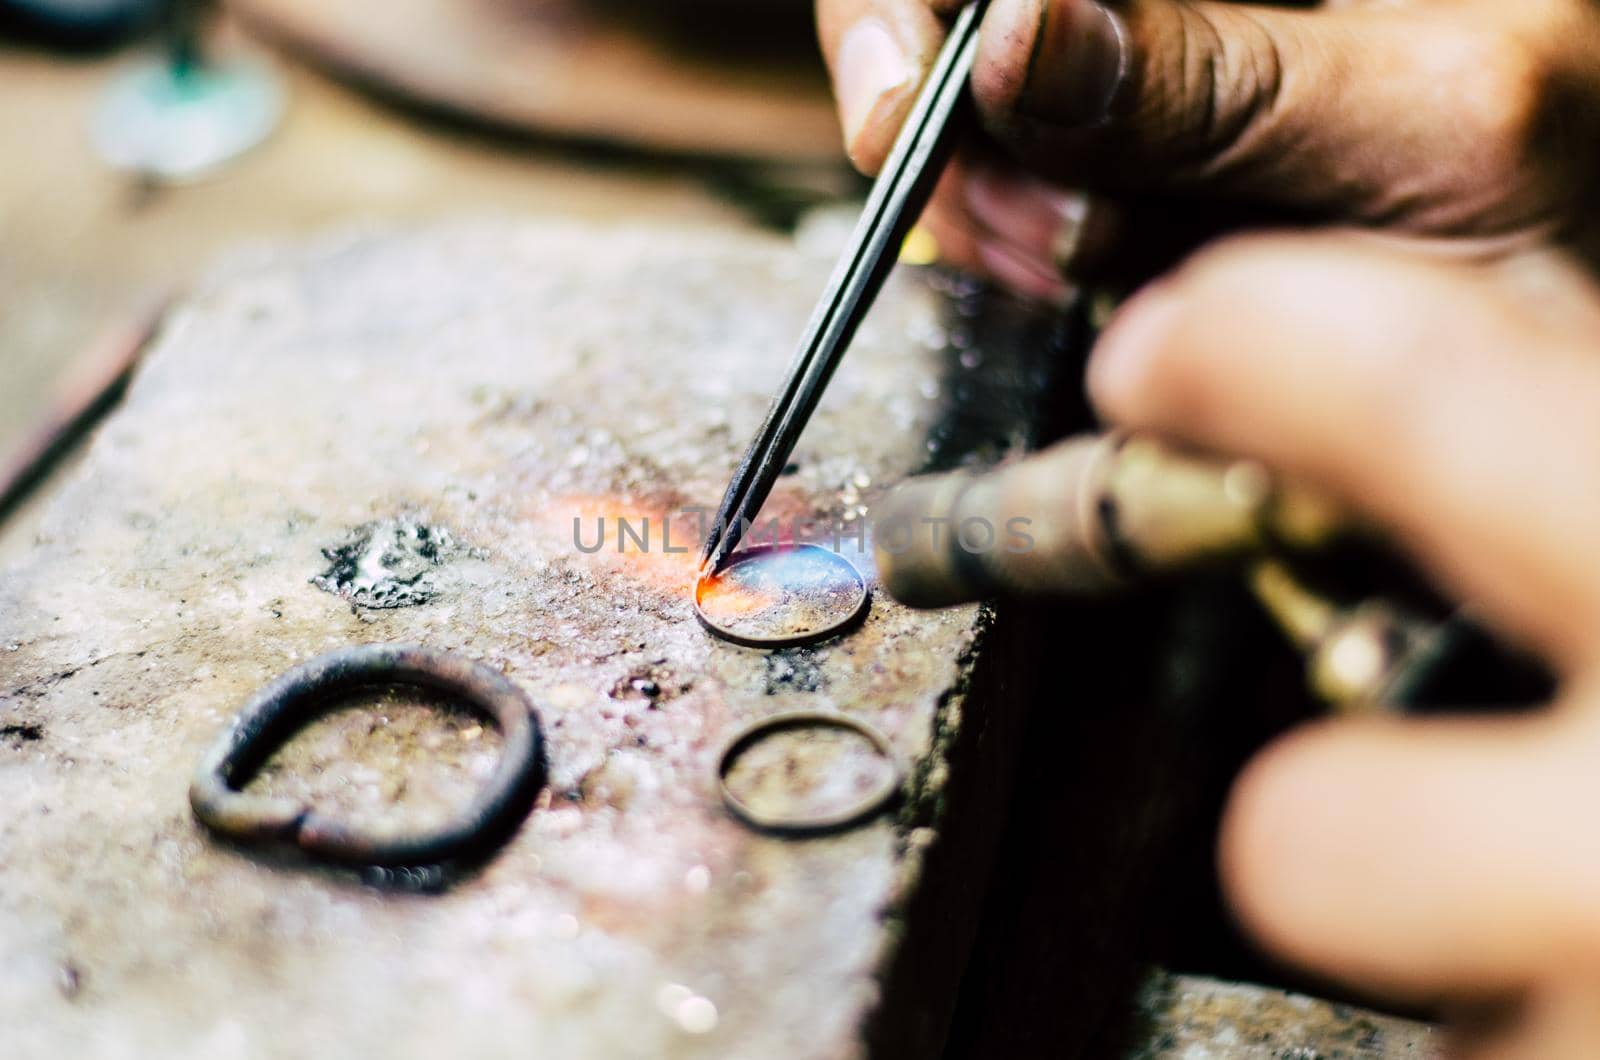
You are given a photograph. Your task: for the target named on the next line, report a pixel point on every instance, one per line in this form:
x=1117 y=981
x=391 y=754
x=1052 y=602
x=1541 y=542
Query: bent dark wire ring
x=872 y=804
x=281 y=708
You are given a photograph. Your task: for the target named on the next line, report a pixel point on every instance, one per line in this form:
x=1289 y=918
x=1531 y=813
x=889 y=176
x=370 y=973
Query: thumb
x=1369 y=113
x=1421 y=859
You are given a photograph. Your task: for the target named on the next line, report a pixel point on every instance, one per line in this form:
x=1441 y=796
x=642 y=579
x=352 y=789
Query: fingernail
x=1023 y=276
x=1078 y=65
x=1046 y=220
x=870 y=65
x=1119 y=367
x=1072 y=208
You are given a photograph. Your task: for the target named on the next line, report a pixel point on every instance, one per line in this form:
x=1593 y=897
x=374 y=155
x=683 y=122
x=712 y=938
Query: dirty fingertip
x=1060 y=61
x=1005 y=49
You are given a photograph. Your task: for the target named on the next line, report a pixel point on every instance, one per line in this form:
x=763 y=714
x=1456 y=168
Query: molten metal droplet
x=775 y=597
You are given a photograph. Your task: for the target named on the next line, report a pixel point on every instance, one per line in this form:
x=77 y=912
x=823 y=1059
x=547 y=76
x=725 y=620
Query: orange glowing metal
x=641 y=552
x=721 y=596
x=782 y=596
x=769 y=596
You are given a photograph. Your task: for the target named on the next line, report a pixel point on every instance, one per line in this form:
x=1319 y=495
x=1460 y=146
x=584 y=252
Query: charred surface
x=508 y=384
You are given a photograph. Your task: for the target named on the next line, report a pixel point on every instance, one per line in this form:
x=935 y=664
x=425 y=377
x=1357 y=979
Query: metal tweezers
x=897 y=200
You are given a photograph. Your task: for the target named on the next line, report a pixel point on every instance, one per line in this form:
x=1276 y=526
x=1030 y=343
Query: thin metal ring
x=858 y=610
x=281 y=708
x=869 y=807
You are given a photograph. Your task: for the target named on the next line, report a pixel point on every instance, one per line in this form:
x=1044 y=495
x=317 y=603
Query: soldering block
x=388 y=437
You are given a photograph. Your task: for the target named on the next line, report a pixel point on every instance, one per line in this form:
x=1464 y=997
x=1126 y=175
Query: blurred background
x=144 y=139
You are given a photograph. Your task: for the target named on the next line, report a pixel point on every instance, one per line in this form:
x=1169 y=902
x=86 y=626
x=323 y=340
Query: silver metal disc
x=782 y=596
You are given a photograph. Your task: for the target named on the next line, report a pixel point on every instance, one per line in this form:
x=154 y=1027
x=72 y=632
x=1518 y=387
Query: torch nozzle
x=1086 y=516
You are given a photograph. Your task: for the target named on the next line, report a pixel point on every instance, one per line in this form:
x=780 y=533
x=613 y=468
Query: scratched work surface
x=300 y=422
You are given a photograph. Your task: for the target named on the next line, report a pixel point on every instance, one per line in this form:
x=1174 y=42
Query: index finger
x=1445 y=402
x=878 y=53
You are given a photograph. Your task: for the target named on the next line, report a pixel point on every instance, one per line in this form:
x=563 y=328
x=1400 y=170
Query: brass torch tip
x=914 y=544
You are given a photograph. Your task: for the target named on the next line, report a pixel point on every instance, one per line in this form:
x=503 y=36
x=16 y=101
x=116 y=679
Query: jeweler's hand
x=1458 y=406
x=1122 y=133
